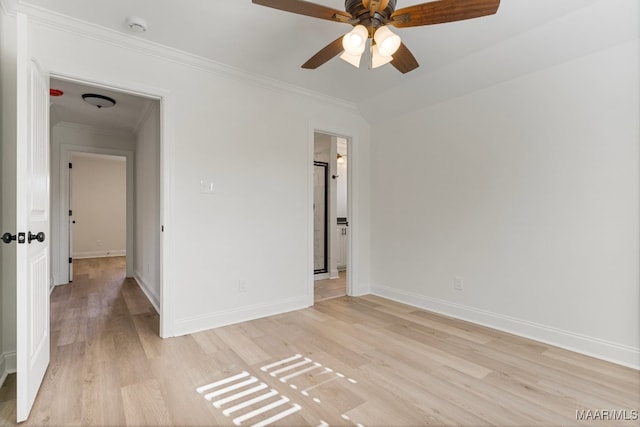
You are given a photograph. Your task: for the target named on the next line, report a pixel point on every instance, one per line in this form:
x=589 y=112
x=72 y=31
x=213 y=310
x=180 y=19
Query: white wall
x=342 y=210
x=321 y=147
x=99 y=205
x=527 y=190
x=7 y=193
x=251 y=138
x=65 y=139
x=147 y=212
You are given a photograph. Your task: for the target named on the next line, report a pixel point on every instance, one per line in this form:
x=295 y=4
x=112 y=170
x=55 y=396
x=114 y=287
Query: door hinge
x=70 y=212
x=70 y=165
x=162 y=229
x=70 y=260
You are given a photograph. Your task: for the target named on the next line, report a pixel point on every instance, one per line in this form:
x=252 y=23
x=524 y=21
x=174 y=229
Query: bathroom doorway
x=331 y=221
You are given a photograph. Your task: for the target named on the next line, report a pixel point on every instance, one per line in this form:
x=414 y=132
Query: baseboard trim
x=3 y=370
x=144 y=286
x=595 y=347
x=204 y=322
x=99 y=254
x=7 y=365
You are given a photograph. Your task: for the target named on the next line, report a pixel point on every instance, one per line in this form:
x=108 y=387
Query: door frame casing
x=351 y=135
x=66 y=152
x=167 y=190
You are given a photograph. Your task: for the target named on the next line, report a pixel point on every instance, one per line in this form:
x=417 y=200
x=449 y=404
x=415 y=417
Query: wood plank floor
x=346 y=361
x=330 y=288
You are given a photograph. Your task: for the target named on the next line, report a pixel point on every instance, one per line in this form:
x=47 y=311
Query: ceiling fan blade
x=403 y=60
x=325 y=54
x=440 y=11
x=306 y=8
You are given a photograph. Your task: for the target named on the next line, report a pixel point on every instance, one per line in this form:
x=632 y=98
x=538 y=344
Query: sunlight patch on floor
x=251 y=399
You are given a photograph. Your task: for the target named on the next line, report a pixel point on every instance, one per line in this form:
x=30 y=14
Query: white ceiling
x=274 y=43
x=70 y=107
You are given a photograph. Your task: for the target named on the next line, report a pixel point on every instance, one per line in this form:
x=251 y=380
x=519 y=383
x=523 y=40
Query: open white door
x=32 y=219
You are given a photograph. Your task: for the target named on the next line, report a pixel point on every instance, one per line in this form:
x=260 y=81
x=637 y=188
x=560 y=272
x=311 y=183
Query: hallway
x=95 y=348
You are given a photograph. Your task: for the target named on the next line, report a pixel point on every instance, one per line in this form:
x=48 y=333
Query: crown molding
x=115 y=38
x=507 y=60
x=7 y=7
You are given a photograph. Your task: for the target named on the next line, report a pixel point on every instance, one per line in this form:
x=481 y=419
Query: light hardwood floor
x=330 y=288
x=346 y=361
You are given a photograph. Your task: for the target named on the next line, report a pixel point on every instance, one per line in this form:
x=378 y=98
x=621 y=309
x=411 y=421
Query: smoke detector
x=137 y=25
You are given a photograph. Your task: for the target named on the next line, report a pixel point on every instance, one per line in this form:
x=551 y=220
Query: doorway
x=330 y=216
x=127 y=132
x=97 y=207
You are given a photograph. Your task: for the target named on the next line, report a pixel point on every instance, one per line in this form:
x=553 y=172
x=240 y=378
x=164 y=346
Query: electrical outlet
x=242 y=286
x=458 y=283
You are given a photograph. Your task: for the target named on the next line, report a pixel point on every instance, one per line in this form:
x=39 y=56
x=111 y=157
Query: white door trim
x=66 y=152
x=352 y=210
x=167 y=190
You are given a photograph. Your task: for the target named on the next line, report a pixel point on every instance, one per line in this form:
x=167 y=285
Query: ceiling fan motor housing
x=360 y=13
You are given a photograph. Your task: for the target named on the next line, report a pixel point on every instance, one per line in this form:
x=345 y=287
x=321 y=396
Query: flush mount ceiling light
x=137 y=25
x=99 y=101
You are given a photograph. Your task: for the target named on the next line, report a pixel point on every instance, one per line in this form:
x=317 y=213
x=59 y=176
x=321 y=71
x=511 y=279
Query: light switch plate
x=206 y=186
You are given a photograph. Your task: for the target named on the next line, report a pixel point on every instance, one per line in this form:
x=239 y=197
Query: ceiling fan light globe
x=351 y=59
x=390 y=45
x=351 y=42
x=354 y=42
x=378 y=60
x=387 y=42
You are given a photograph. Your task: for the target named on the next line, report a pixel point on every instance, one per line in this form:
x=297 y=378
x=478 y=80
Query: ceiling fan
x=370 y=20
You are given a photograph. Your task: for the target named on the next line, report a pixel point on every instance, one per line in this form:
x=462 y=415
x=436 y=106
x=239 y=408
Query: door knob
x=39 y=237
x=8 y=237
